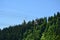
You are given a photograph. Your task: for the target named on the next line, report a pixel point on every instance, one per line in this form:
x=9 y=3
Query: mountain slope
x=39 y=29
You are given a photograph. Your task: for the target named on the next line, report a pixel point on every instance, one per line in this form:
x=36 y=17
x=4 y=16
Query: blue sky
x=13 y=12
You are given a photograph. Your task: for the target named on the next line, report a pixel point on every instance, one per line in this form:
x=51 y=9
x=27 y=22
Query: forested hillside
x=38 y=29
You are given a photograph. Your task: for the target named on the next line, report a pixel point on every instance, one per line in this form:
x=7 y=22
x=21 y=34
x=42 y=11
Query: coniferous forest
x=38 y=29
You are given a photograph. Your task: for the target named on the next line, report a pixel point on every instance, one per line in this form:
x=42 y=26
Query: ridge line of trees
x=38 y=29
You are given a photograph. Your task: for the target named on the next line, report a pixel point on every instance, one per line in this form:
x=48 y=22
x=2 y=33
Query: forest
x=38 y=29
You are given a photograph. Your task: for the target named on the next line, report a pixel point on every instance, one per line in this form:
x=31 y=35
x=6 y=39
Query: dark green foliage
x=39 y=29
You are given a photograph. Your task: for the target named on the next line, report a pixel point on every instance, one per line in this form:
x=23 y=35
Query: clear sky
x=15 y=11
